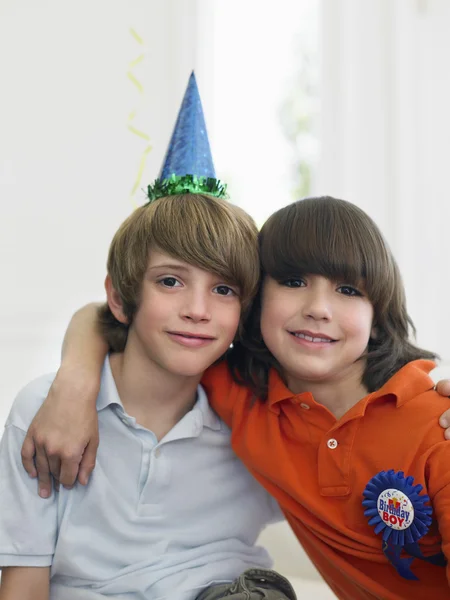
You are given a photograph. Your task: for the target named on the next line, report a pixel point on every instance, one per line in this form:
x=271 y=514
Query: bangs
x=210 y=234
x=327 y=237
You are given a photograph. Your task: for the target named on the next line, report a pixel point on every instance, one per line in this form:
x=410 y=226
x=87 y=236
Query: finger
x=444 y=420
x=443 y=388
x=43 y=471
x=55 y=466
x=69 y=471
x=88 y=462
x=28 y=451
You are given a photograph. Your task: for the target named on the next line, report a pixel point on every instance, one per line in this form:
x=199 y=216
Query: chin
x=189 y=370
x=188 y=374
x=311 y=373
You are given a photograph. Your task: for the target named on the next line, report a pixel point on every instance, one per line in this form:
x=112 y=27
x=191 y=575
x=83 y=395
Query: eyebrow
x=175 y=266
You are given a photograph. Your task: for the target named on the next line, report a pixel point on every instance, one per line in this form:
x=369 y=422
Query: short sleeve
x=28 y=523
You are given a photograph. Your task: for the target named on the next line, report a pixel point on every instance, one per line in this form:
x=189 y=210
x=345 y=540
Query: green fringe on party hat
x=188 y=166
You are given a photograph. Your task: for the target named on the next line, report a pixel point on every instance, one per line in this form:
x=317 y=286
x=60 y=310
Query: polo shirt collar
x=201 y=411
x=108 y=391
x=278 y=391
x=410 y=381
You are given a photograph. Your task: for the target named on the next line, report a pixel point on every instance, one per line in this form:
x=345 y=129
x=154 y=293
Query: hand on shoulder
x=62 y=439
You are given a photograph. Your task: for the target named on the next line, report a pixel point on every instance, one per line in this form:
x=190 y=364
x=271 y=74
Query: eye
x=348 y=290
x=293 y=282
x=169 y=282
x=225 y=290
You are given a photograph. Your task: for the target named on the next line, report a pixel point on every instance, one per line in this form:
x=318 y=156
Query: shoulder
x=226 y=396
x=414 y=390
x=220 y=375
x=220 y=383
x=417 y=406
x=29 y=400
x=428 y=403
x=419 y=416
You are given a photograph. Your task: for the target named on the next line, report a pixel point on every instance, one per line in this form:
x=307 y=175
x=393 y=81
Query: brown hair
x=337 y=240
x=201 y=230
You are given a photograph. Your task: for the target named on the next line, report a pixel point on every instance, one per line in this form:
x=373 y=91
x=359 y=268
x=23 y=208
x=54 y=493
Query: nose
x=196 y=307
x=317 y=305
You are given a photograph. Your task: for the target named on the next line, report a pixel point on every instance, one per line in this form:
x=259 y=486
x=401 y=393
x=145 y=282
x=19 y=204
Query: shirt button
x=332 y=444
x=157 y=453
x=305 y=406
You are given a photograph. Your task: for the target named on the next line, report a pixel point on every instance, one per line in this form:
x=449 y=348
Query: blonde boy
x=170 y=510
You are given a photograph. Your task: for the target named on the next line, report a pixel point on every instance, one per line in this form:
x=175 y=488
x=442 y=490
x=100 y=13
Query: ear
x=114 y=301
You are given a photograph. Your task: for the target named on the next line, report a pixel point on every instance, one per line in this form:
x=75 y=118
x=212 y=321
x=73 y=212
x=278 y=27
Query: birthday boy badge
x=398 y=510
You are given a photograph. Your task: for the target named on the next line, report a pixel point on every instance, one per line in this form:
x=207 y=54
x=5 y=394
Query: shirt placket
x=335 y=458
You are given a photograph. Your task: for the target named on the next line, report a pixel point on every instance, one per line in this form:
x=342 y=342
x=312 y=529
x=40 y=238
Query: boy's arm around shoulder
x=25 y=583
x=224 y=394
x=28 y=524
x=64 y=433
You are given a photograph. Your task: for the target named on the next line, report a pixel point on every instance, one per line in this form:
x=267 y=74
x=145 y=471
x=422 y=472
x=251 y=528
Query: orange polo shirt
x=317 y=468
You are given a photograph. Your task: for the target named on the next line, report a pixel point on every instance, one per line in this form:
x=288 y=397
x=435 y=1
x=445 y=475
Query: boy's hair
x=337 y=240
x=204 y=231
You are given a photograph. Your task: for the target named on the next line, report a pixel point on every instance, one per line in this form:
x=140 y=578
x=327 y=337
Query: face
x=187 y=317
x=316 y=329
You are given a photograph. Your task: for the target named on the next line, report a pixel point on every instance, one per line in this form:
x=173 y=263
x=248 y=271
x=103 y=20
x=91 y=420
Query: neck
x=156 y=398
x=338 y=395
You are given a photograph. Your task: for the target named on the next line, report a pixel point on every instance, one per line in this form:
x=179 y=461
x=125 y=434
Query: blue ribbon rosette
x=398 y=510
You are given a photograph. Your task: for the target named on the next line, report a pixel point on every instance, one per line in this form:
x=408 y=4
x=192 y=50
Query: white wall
x=257 y=59
x=68 y=161
x=385 y=137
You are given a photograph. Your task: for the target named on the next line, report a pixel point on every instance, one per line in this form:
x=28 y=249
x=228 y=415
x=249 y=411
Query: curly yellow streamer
x=134 y=130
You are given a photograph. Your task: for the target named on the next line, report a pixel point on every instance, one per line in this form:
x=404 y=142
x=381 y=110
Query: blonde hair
x=201 y=230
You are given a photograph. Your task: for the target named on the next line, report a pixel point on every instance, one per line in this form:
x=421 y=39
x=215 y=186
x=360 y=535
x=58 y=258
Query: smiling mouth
x=194 y=336
x=191 y=340
x=314 y=339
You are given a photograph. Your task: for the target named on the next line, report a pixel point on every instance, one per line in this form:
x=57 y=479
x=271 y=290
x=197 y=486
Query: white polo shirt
x=156 y=521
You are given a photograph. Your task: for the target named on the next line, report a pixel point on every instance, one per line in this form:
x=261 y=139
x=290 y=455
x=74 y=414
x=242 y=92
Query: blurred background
x=301 y=97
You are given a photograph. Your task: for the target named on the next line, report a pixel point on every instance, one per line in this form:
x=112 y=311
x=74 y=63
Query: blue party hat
x=188 y=165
